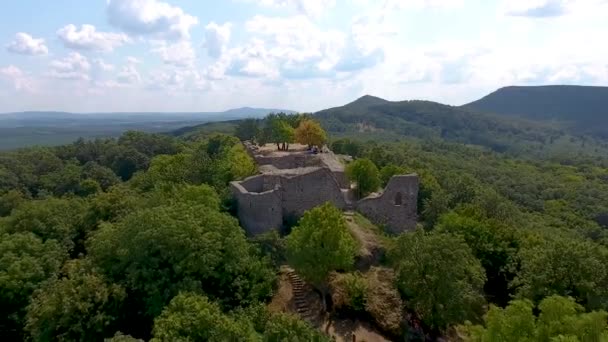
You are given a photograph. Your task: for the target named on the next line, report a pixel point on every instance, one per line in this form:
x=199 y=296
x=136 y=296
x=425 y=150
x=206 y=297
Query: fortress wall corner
x=396 y=207
x=258 y=212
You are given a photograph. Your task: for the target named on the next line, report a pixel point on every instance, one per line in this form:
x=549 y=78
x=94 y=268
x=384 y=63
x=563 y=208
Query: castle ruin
x=292 y=182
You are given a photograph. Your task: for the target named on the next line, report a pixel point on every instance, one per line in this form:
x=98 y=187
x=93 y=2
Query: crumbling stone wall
x=289 y=161
x=299 y=181
x=395 y=207
x=265 y=201
x=257 y=211
x=306 y=191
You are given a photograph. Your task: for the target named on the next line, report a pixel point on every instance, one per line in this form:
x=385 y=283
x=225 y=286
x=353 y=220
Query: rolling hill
x=579 y=108
x=431 y=120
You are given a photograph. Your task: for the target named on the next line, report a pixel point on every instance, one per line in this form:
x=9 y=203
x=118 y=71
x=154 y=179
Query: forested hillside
x=584 y=109
x=136 y=238
x=429 y=120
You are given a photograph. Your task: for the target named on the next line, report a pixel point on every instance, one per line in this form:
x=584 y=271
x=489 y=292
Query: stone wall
x=258 y=212
x=395 y=207
x=265 y=201
x=308 y=190
x=289 y=161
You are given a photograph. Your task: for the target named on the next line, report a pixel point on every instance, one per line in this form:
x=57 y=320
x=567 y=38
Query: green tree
x=192 y=317
x=365 y=174
x=101 y=174
x=88 y=187
x=175 y=168
x=321 y=243
x=9 y=201
x=157 y=252
x=286 y=327
x=348 y=147
x=560 y=319
x=63 y=181
x=277 y=326
x=279 y=129
x=247 y=129
x=58 y=219
x=564 y=266
x=80 y=306
x=439 y=277
x=492 y=243
x=25 y=263
x=389 y=171
x=149 y=144
x=283 y=134
x=236 y=164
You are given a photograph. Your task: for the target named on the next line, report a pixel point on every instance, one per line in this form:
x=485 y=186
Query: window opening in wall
x=398 y=199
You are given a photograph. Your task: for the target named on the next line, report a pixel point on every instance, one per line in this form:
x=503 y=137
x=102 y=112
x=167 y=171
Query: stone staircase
x=299 y=295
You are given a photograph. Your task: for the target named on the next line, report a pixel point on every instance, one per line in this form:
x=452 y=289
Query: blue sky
x=199 y=55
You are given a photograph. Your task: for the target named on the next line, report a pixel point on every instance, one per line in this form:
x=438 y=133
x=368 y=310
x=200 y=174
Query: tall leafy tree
x=560 y=319
x=25 y=263
x=365 y=174
x=389 y=171
x=439 y=277
x=56 y=219
x=79 y=306
x=248 y=129
x=321 y=243
x=192 y=317
x=493 y=244
x=564 y=266
x=158 y=252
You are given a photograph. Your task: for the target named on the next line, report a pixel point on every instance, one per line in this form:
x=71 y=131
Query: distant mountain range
x=584 y=109
x=54 y=128
x=41 y=118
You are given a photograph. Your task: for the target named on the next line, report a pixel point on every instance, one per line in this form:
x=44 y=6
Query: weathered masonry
x=292 y=182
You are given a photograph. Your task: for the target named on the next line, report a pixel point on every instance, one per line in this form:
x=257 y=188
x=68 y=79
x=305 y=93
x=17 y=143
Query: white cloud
x=250 y=60
x=217 y=38
x=102 y=65
x=133 y=60
x=311 y=8
x=25 y=44
x=179 y=54
x=552 y=8
x=177 y=80
x=150 y=17
x=535 y=8
x=17 y=77
x=128 y=75
x=73 y=67
x=88 y=38
x=299 y=47
x=422 y=4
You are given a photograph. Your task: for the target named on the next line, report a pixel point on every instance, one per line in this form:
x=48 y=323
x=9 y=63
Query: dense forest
x=135 y=238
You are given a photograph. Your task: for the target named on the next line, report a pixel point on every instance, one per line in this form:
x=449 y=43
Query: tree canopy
x=309 y=132
x=560 y=319
x=321 y=243
x=440 y=277
x=365 y=174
